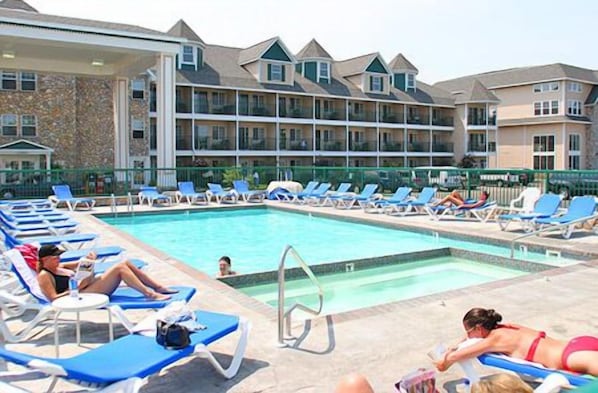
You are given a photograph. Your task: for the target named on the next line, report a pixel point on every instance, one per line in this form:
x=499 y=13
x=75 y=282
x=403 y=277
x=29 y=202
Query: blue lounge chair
x=26 y=205
x=55 y=228
x=425 y=197
x=342 y=190
x=401 y=195
x=314 y=197
x=151 y=195
x=482 y=213
x=347 y=202
x=78 y=239
x=288 y=197
x=134 y=356
x=187 y=191
x=241 y=187
x=62 y=194
x=32 y=218
x=123 y=298
x=546 y=206
x=216 y=191
x=581 y=210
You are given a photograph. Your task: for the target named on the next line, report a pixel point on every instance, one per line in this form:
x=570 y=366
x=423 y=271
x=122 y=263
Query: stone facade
x=592 y=146
x=139 y=109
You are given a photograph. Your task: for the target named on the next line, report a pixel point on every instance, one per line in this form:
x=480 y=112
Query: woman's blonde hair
x=501 y=383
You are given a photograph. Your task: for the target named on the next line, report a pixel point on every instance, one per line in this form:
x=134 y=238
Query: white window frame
x=276 y=72
x=574 y=87
x=574 y=107
x=410 y=81
x=137 y=125
x=544 y=153
x=5 y=123
x=193 y=55
x=546 y=108
x=32 y=125
x=574 y=158
x=138 y=85
x=376 y=83
x=546 y=86
x=323 y=70
x=23 y=79
x=8 y=76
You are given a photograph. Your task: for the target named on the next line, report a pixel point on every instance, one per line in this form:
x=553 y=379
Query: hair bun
x=493 y=315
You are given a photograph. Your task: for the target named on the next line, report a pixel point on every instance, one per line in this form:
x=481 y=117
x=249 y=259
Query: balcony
x=446 y=121
x=391 y=146
x=476 y=147
x=256 y=111
x=391 y=117
x=443 y=147
x=331 y=115
x=362 y=116
x=330 y=145
x=361 y=146
x=220 y=144
x=296 y=145
x=481 y=121
x=183 y=107
x=257 y=144
x=296 y=113
x=416 y=119
x=418 y=147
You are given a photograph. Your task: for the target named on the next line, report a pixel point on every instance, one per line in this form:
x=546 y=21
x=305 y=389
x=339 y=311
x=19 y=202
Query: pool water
x=255 y=239
x=373 y=286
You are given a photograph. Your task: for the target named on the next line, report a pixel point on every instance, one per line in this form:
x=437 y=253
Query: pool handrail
x=282 y=315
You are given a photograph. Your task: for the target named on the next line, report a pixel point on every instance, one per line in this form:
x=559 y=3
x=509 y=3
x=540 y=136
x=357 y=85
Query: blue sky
x=443 y=39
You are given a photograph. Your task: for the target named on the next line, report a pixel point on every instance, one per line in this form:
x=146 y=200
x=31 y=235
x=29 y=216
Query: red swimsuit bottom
x=582 y=343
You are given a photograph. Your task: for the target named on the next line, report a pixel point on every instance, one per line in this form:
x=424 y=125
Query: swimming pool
x=345 y=291
x=255 y=238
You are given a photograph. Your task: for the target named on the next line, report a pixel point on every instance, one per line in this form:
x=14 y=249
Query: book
x=84 y=269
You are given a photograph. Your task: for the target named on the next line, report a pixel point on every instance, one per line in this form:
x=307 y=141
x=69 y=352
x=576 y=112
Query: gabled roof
x=523 y=76
x=182 y=29
x=23 y=144
x=592 y=97
x=17 y=5
x=475 y=91
x=313 y=50
x=255 y=52
x=400 y=63
x=358 y=65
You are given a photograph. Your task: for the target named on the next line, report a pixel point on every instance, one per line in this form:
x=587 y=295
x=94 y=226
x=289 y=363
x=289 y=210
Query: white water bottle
x=73 y=287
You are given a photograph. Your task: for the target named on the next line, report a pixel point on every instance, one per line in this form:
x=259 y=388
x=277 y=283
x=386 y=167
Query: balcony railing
x=415 y=119
x=207 y=143
x=297 y=145
x=443 y=147
x=296 y=113
x=330 y=145
x=391 y=117
x=443 y=121
x=481 y=121
x=362 y=116
x=476 y=147
x=331 y=115
x=256 y=111
x=362 y=146
x=418 y=147
x=257 y=144
x=183 y=107
x=391 y=146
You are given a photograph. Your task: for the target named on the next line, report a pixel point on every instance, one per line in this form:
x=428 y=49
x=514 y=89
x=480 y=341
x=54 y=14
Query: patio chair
x=527 y=199
x=216 y=191
x=290 y=196
x=580 y=210
x=347 y=202
x=32 y=218
x=62 y=194
x=55 y=228
x=378 y=206
x=124 y=362
x=187 y=191
x=424 y=198
x=314 y=197
x=123 y=298
x=72 y=240
x=26 y=205
x=241 y=187
x=546 y=206
x=342 y=190
x=151 y=195
x=482 y=213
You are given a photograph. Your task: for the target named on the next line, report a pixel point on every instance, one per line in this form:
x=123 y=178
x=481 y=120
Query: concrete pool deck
x=383 y=342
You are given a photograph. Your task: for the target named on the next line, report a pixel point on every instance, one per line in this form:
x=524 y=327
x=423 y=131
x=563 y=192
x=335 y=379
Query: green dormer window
x=188 y=55
x=376 y=83
x=276 y=72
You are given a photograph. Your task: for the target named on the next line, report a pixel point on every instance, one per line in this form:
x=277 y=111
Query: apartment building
x=546 y=116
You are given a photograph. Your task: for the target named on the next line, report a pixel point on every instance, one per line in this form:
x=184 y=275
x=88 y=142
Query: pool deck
x=383 y=342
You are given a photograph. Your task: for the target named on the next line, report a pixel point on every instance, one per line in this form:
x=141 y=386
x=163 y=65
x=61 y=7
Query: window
x=324 y=70
x=9 y=80
x=28 y=81
x=218 y=99
x=9 y=125
x=138 y=128
x=200 y=137
x=544 y=87
x=295 y=134
x=574 y=87
x=28 y=125
x=138 y=87
x=276 y=72
x=188 y=55
x=542 y=108
x=258 y=134
x=218 y=133
x=544 y=152
x=574 y=107
x=410 y=81
x=376 y=83
x=574 y=151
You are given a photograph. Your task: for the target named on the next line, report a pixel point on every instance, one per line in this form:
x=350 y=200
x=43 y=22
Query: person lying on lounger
x=580 y=354
x=53 y=277
x=455 y=199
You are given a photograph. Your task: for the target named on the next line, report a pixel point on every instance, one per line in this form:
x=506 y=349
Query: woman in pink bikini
x=580 y=354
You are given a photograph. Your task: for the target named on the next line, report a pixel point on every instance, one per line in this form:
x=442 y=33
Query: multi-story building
x=83 y=93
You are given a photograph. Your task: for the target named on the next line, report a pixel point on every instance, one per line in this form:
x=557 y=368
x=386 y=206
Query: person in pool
x=455 y=199
x=225 y=267
x=53 y=277
x=580 y=354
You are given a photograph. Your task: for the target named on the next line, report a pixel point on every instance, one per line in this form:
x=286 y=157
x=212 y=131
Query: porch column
x=165 y=122
x=121 y=121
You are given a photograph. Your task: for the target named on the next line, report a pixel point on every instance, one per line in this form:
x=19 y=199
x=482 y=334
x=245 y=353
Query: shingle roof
x=474 y=91
x=356 y=65
x=313 y=50
x=542 y=120
x=182 y=29
x=251 y=54
x=522 y=75
x=17 y=5
x=7 y=15
x=400 y=63
x=593 y=96
x=222 y=68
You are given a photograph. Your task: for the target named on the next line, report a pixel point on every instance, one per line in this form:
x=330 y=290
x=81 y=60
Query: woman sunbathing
x=53 y=277
x=579 y=354
x=455 y=199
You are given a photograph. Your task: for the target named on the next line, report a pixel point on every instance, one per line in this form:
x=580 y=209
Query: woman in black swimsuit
x=54 y=276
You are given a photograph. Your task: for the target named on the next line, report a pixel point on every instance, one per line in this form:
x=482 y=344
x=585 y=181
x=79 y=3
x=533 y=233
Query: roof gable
x=400 y=63
x=359 y=65
x=377 y=66
x=17 y=5
x=475 y=92
x=313 y=50
x=271 y=49
x=276 y=52
x=182 y=29
x=23 y=144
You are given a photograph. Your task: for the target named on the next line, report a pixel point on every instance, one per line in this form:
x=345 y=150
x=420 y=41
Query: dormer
x=403 y=73
x=190 y=55
x=370 y=73
x=314 y=63
x=269 y=62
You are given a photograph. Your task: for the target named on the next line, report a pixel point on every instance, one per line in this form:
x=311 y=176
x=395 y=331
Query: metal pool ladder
x=286 y=316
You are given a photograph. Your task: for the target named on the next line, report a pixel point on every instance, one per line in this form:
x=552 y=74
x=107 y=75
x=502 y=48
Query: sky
x=444 y=39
